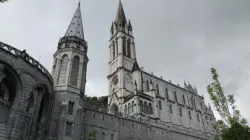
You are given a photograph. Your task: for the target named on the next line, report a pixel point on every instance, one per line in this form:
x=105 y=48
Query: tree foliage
x=92 y=135
x=232 y=126
x=3 y=1
x=100 y=102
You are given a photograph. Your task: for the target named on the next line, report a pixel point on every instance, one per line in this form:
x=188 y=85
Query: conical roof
x=76 y=27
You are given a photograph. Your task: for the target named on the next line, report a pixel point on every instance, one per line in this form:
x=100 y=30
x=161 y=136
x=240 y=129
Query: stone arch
x=75 y=70
x=63 y=70
x=11 y=93
x=40 y=115
x=114 y=109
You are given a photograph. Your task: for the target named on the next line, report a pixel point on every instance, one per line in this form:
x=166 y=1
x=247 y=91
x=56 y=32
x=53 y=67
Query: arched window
x=129 y=108
x=124 y=46
x=189 y=115
x=157 y=89
x=180 y=111
x=135 y=110
x=147 y=86
x=166 y=92
x=68 y=129
x=75 y=71
x=150 y=108
x=103 y=135
x=128 y=49
x=141 y=106
x=160 y=104
x=63 y=70
x=111 y=137
x=126 y=109
x=175 y=97
x=170 y=108
x=132 y=107
x=183 y=98
x=70 y=107
x=145 y=107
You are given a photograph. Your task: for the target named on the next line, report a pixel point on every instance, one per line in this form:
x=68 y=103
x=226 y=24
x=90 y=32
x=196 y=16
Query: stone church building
x=38 y=105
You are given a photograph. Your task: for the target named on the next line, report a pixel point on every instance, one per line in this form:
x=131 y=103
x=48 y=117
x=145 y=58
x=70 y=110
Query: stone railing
x=27 y=58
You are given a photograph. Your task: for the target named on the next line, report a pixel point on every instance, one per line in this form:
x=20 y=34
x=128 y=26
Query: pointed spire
x=120 y=15
x=129 y=24
x=185 y=84
x=75 y=27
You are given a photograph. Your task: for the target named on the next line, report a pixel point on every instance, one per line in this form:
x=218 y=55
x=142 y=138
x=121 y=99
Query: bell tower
x=69 y=76
x=121 y=62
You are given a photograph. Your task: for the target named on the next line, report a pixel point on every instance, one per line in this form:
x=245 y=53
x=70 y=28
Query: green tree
x=232 y=126
x=3 y=1
x=92 y=135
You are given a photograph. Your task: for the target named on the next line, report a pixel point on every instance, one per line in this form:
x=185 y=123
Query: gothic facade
x=37 y=105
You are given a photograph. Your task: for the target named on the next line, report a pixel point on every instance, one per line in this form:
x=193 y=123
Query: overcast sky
x=179 y=40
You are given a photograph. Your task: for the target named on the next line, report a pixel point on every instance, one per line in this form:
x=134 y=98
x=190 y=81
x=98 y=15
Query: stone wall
x=123 y=128
x=32 y=86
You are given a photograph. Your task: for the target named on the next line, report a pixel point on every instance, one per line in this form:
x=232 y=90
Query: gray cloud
x=179 y=40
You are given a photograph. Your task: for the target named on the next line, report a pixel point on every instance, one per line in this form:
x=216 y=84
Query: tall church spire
x=75 y=27
x=120 y=15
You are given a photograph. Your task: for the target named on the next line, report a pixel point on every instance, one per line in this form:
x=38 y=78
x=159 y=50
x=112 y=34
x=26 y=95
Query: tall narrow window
x=145 y=107
x=126 y=109
x=132 y=107
x=147 y=86
x=116 y=47
x=189 y=115
x=75 y=71
x=113 y=50
x=150 y=108
x=128 y=49
x=124 y=46
x=193 y=101
x=68 y=129
x=111 y=137
x=175 y=97
x=184 y=101
x=70 y=108
x=103 y=135
x=140 y=106
x=160 y=105
x=129 y=108
x=180 y=111
x=135 y=110
x=198 y=118
x=63 y=70
x=166 y=92
x=170 y=109
x=157 y=89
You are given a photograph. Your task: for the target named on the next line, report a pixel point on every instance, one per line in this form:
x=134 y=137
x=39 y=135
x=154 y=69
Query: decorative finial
x=79 y=3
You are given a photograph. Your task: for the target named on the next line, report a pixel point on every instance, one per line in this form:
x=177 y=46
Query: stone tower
x=122 y=60
x=69 y=76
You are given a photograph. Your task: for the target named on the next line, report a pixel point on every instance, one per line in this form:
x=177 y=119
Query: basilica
x=39 y=105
